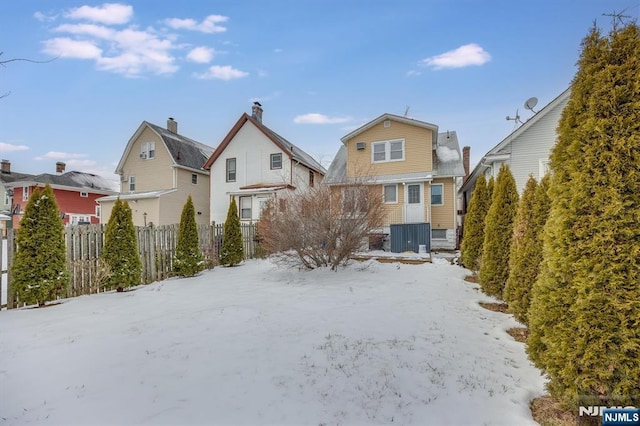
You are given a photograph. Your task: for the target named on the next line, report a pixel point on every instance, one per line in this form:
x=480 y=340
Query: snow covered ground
x=256 y=344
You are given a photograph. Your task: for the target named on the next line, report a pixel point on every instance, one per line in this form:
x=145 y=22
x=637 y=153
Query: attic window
x=84 y=194
x=276 y=161
x=147 y=150
x=387 y=123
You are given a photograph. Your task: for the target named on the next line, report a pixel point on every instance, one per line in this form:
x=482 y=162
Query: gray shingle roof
x=297 y=153
x=14 y=176
x=185 y=152
x=80 y=180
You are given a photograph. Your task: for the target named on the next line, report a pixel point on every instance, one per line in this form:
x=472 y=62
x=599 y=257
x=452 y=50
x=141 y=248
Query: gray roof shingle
x=185 y=152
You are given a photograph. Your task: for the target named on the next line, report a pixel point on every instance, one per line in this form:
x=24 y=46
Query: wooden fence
x=156 y=245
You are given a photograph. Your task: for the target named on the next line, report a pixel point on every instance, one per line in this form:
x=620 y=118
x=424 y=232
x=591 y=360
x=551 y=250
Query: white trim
x=84 y=194
x=387 y=150
x=395 y=186
x=441 y=185
x=25 y=193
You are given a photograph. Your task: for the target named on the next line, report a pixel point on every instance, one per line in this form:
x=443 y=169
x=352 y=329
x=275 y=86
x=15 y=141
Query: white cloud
x=108 y=13
x=131 y=52
x=7 y=147
x=446 y=154
x=209 y=25
x=463 y=56
x=69 y=48
x=278 y=50
x=224 y=72
x=42 y=17
x=413 y=73
x=315 y=118
x=201 y=54
x=57 y=155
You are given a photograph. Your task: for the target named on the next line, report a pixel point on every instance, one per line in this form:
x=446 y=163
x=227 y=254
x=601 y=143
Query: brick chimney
x=172 y=125
x=5 y=166
x=466 y=153
x=60 y=166
x=256 y=111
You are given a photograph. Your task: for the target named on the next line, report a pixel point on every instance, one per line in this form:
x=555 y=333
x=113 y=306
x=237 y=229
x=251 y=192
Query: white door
x=414 y=203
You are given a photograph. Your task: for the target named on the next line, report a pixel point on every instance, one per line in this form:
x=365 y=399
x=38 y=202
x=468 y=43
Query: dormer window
x=147 y=150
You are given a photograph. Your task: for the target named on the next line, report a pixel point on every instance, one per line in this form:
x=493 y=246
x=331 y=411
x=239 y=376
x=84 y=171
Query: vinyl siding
x=442 y=217
x=199 y=193
x=417 y=146
x=151 y=174
x=533 y=145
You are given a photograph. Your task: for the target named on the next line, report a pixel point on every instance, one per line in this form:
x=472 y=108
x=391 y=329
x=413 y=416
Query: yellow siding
x=442 y=217
x=199 y=193
x=153 y=173
x=417 y=146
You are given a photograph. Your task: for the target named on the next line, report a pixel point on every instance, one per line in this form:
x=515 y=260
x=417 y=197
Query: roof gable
x=184 y=152
x=393 y=117
x=292 y=151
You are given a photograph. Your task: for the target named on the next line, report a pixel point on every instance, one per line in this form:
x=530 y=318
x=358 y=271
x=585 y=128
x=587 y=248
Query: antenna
x=406 y=110
x=516 y=118
x=616 y=17
x=531 y=103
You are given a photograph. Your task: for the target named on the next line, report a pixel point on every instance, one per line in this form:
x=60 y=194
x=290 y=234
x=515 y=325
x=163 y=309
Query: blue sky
x=319 y=68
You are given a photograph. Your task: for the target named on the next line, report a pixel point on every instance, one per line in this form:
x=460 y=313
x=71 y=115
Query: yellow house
x=158 y=170
x=417 y=170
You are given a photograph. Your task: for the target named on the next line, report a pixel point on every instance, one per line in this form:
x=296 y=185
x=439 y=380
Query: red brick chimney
x=466 y=153
x=60 y=166
x=5 y=166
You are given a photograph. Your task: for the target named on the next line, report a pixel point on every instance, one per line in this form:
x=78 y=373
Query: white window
x=436 y=194
x=97 y=211
x=543 y=167
x=7 y=198
x=439 y=234
x=245 y=208
x=231 y=169
x=147 y=150
x=390 y=193
x=84 y=194
x=25 y=193
x=413 y=194
x=276 y=161
x=384 y=151
x=132 y=183
x=194 y=178
x=79 y=219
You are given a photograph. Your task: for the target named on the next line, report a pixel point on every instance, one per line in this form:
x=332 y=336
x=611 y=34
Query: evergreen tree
x=39 y=268
x=121 y=248
x=498 y=233
x=526 y=247
x=490 y=185
x=473 y=237
x=189 y=259
x=585 y=315
x=232 y=251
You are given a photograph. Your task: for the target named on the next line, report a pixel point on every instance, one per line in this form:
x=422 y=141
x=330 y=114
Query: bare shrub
x=321 y=227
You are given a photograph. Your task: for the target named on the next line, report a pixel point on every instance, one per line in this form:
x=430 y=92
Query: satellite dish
x=531 y=103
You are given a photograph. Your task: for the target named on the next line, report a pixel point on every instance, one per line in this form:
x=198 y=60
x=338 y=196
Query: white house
x=526 y=150
x=252 y=164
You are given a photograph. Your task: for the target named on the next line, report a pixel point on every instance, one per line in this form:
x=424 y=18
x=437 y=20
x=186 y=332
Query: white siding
x=533 y=145
x=252 y=151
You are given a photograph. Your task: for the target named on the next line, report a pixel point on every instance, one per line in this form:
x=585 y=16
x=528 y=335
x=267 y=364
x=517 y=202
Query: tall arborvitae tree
x=490 y=185
x=588 y=286
x=232 y=251
x=473 y=237
x=121 y=248
x=189 y=259
x=39 y=268
x=498 y=232
x=526 y=247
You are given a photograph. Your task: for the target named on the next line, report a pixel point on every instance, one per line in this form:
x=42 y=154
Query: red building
x=75 y=192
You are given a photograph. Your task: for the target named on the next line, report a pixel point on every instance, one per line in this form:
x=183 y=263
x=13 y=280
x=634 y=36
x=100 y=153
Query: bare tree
x=321 y=227
x=6 y=61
